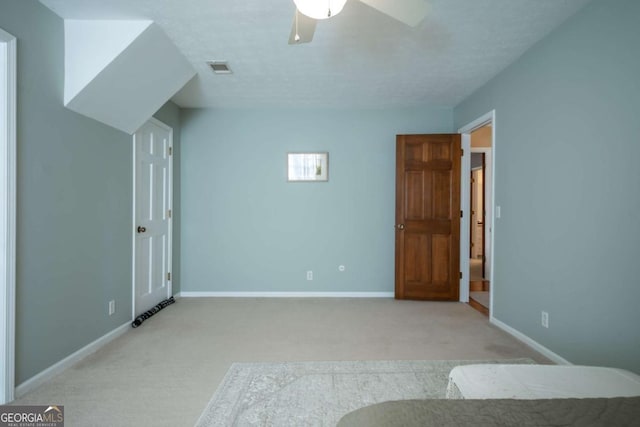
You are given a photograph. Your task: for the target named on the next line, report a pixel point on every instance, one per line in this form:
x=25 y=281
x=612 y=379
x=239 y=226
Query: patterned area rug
x=320 y=393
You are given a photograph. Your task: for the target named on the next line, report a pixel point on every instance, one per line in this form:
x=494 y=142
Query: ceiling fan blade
x=306 y=27
x=410 y=12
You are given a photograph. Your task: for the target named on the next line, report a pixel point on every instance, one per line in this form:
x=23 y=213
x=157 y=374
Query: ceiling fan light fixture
x=320 y=9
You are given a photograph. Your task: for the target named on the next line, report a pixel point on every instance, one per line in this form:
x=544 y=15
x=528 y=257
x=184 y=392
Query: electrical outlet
x=545 y=319
x=112 y=307
x=309 y=275
x=341 y=268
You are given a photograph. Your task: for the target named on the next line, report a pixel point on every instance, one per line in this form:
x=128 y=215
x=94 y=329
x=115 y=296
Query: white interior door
x=153 y=145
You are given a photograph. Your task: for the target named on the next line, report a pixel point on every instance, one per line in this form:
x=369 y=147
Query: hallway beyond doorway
x=478 y=287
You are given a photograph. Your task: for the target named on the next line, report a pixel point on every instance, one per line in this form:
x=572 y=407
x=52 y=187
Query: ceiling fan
x=308 y=12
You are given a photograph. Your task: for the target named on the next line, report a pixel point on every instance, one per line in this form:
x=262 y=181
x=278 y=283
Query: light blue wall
x=73 y=209
x=567 y=144
x=245 y=228
x=169 y=114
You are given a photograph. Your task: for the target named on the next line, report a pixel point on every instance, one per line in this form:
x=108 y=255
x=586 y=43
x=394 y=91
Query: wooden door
x=428 y=217
x=152 y=161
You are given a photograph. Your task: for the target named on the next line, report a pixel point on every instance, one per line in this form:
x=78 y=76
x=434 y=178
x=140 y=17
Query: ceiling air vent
x=219 y=67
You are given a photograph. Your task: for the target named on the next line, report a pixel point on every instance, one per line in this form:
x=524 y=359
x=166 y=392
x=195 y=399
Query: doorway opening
x=479 y=238
x=477 y=205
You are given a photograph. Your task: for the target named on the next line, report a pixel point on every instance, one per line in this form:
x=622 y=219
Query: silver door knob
x=400 y=226
x=141 y=229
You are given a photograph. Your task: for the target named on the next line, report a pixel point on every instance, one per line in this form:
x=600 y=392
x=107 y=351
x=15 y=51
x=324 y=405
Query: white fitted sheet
x=540 y=382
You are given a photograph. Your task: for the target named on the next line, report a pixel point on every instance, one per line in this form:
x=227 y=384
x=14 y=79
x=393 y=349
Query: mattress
x=540 y=382
x=621 y=411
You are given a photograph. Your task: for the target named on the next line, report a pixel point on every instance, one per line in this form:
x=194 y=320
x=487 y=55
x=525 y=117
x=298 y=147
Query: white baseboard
x=44 y=376
x=286 y=294
x=530 y=342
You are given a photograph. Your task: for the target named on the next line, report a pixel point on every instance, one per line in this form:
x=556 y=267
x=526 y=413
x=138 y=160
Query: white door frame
x=133 y=231
x=8 y=113
x=465 y=131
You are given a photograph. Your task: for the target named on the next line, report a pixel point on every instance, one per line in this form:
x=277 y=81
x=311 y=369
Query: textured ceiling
x=358 y=59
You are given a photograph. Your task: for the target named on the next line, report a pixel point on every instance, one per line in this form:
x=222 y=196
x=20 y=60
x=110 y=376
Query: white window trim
x=8 y=95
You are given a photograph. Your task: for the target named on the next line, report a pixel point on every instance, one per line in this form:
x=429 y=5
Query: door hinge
x=169 y=213
x=169 y=276
x=461 y=274
x=170 y=151
x=461 y=152
x=461 y=214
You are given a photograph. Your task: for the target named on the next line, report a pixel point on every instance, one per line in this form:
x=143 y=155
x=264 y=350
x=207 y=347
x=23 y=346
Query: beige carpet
x=164 y=372
x=306 y=394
